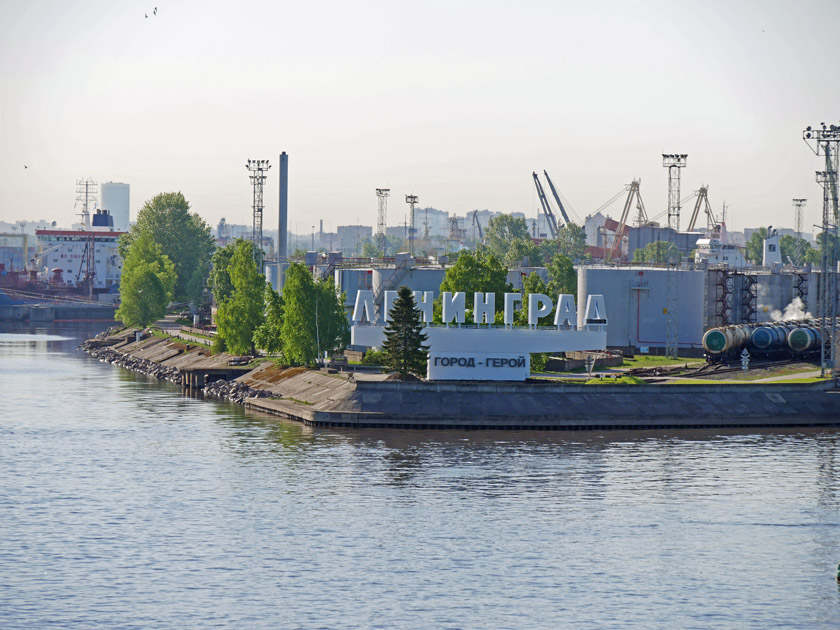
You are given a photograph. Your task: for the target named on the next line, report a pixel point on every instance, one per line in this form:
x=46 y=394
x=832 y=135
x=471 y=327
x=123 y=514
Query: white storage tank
x=643 y=303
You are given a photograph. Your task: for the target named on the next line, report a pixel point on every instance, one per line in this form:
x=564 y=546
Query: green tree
x=268 y=335
x=755 y=246
x=476 y=271
x=571 y=241
x=502 y=231
x=658 y=252
x=242 y=313
x=182 y=235
x=147 y=282
x=313 y=320
x=403 y=349
x=219 y=279
x=562 y=277
x=331 y=324
x=523 y=252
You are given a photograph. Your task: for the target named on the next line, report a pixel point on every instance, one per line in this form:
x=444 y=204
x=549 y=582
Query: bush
x=373 y=357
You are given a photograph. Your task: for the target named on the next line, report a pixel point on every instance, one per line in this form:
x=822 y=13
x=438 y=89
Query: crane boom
x=632 y=194
x=477 y=224
x=549 y=215
x=557 y=198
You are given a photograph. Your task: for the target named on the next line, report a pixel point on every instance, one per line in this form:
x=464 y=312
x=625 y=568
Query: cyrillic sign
x=478 y=366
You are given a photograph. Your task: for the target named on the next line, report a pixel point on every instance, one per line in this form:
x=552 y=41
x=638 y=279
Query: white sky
x=457 y=102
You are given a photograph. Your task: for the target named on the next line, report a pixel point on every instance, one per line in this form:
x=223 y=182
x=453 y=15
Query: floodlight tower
x=382 y=194
x=798 y=208
x=825 y=140
x=674 y=162
x=411 y=200
x=258 y=169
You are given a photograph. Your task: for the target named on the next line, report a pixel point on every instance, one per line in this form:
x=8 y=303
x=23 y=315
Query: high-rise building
x=115 y=199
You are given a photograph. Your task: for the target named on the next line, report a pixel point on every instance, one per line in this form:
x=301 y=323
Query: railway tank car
x=804 y=339
x=785 y=339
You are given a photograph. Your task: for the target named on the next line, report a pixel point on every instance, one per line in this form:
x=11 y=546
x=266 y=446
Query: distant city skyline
x=456 y=102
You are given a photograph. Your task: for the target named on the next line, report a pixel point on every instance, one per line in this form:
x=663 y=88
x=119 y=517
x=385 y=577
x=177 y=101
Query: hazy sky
x=457 y=102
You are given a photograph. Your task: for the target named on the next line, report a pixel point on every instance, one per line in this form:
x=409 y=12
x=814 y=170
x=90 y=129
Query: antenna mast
x=85 y=194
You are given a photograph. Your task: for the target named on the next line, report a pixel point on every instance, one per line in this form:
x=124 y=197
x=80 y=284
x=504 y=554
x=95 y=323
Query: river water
x=124 y=504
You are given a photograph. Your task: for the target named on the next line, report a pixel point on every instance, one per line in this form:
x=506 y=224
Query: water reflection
x=114 y=483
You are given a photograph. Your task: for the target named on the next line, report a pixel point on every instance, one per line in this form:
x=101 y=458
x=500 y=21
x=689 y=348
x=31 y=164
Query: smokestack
x=321 y=230
x=282 y=232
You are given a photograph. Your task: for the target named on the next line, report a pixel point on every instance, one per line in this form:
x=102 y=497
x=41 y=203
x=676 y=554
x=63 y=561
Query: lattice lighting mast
x=674 y=162
x=382 y=195
x=825 y=140
x=411 y=200
x=798 y=210
x=258 y=170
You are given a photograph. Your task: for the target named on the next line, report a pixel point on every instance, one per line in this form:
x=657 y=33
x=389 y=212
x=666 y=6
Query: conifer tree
x=403 y=348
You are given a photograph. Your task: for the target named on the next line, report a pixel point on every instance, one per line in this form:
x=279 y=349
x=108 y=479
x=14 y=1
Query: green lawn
x=645 y=360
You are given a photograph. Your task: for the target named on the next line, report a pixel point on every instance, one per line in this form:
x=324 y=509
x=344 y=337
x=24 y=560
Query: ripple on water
x=123 y=504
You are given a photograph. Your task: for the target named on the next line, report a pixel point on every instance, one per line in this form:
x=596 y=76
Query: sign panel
x=478 y=366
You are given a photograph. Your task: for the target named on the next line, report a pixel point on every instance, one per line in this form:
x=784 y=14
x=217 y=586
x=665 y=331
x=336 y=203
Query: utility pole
x=411 y=200
x=825 y=140
x=258 y=169
x=674 y=162
x=382 y=195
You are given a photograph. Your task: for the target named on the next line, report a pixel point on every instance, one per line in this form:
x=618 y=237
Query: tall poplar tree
x=242 y=313
x=314 y=321
x=403 y=349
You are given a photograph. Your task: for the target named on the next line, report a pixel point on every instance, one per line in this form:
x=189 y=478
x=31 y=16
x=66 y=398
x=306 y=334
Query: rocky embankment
x=102 y=347
x=234 y=391
x=136 y=364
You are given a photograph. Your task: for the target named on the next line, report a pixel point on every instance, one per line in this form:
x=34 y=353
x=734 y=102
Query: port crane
x=477 y=224
x=551 y=219
x=703 y=201
x=633 y=194
x=557 y=198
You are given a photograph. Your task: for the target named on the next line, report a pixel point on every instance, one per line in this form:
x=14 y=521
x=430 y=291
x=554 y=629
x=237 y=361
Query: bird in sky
x=25 y=166
x=145 y=15
x=155 y=11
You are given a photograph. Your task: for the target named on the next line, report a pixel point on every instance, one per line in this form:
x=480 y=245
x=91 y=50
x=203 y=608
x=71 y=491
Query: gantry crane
x=703 y=201
x=633 y=194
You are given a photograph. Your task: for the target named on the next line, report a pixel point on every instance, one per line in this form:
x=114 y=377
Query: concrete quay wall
x=322 y=398
x=541 y=406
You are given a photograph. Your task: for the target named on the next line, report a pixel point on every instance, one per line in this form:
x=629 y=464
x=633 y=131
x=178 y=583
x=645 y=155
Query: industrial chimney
x=282 y=232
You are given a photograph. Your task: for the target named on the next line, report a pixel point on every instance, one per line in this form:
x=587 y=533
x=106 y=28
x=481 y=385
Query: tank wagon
x=787 y=339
